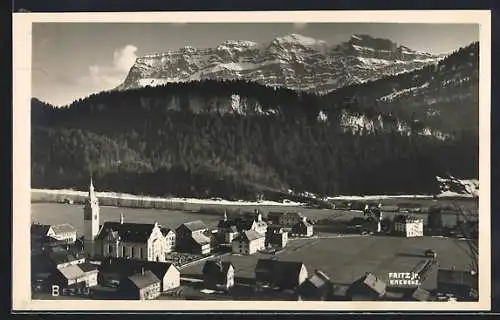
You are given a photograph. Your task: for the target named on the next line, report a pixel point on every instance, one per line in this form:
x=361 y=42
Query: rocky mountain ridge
x=292 y=61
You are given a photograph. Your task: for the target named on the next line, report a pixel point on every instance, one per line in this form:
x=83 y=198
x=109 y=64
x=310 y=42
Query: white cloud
x=109 y=76
x=63 y=90
x=125 y=58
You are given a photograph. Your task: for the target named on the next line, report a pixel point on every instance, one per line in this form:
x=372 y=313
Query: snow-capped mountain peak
x=292 y=61
x=298 y=39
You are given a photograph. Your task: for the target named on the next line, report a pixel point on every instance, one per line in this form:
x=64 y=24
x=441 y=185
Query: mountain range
x=292 y=61
x=238 y=137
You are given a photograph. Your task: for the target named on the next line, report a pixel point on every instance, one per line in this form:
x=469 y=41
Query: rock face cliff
x=292 y=61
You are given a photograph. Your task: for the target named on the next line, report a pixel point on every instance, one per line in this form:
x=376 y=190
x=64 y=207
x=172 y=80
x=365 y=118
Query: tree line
x=182 y=139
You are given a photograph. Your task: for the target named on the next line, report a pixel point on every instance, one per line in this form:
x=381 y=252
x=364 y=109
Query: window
x=132 y=251
x=123 y=251
x=140 y=253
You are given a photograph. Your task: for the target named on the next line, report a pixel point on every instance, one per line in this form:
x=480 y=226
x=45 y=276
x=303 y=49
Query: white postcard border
x=21 y=290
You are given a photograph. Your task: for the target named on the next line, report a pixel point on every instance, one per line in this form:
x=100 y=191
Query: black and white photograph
x=254 y=160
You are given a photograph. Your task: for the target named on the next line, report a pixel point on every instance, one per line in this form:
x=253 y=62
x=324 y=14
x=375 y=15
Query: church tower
x=91 y=219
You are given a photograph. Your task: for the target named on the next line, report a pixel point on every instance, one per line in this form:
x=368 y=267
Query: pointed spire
x=91 y=187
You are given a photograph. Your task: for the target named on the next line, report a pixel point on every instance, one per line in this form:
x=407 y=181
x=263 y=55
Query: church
x=138 y=241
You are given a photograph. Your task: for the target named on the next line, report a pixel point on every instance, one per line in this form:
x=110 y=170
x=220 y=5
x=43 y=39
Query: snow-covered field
x=114 y=195
x=471 y=187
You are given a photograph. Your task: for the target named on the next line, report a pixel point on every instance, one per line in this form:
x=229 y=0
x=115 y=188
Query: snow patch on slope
x=452 y=186
x=398 y=93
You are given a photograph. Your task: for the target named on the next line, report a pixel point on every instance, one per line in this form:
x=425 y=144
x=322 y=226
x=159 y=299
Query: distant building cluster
x=136 y=258
x=248 y=234
x=143 y=261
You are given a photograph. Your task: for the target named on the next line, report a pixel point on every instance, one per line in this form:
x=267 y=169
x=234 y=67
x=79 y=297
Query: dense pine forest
x=185 y=139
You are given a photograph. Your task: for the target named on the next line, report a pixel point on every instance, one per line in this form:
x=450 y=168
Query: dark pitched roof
x=225 y=223
x=402 y=218
x=194 y=225
x=165 y=231
x=274 y=228
x=318 y=283
x=249 y=235
x=372 y=282
x=244 y=224
x=63 y=228
x=294 y=213
x=88 y=267
x=217 y=268
x=143 y=280
x=128 y=232
x=60 y=257
x=420 y=294
x=39 y=229
x=458 y=277
x=279 y=270
x=127 y=267
x=303 y=224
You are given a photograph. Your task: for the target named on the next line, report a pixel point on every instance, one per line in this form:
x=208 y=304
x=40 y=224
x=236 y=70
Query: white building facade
x=409 y=226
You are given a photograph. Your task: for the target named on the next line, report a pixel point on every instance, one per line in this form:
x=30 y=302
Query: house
x=276 y=236
x=317 y=287
x=289 y=219
x=113 y=270
x=249 y=242
x=84 y=274
x=418 y=294
x=260 y=225
x=366 y=288
x=218 y=274
x=61 y=232
x=280 y=274
x=409 y=207
x=142 y=286
x=463 y=284
x=192 y=237
x=91 y=272
x=61 y=259
x=169 y=235
x=408 y=226
x=141 y=241
x=302 y=228
x=226 y=229
x=274 y=217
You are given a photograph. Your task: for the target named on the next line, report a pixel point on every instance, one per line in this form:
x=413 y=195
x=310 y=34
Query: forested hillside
x=235 y=139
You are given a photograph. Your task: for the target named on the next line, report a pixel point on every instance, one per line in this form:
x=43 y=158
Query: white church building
x=138 y=241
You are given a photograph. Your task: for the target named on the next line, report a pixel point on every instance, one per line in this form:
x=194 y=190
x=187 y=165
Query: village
x=277 y=255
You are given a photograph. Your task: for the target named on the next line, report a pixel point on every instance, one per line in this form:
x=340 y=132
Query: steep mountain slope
x=443 y=97
x=292 y=61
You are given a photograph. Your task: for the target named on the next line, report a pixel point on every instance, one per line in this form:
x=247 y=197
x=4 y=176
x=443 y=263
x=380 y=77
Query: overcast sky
x=73 y=60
